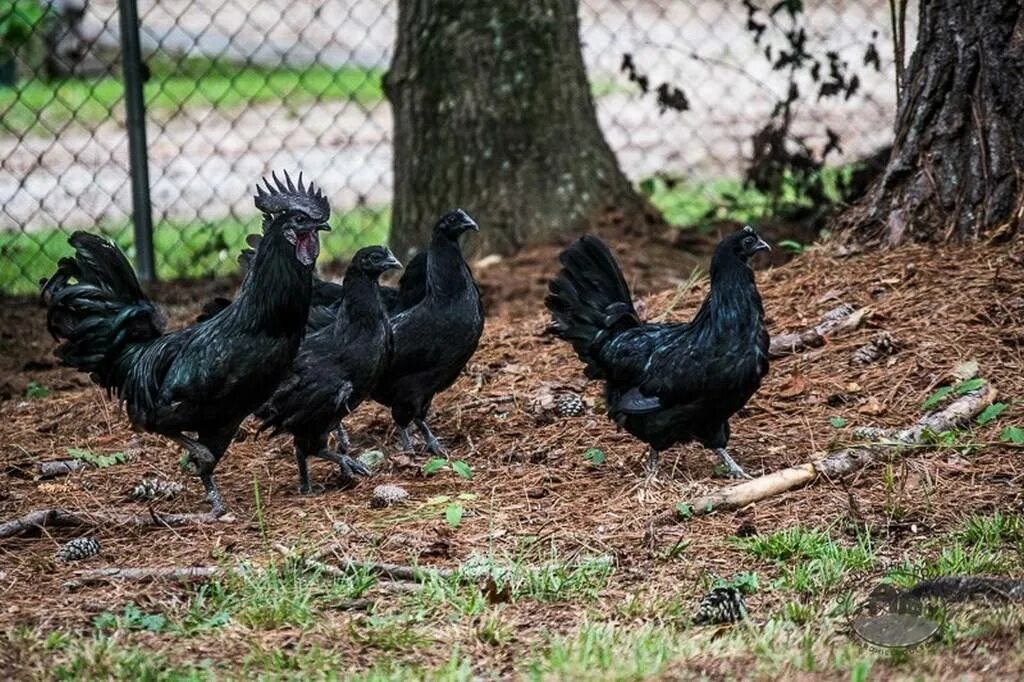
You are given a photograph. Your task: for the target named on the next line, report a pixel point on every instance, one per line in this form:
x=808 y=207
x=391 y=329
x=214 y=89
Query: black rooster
x=436 y=337
x=336 y=367
x=666 y=383
x=205 y=378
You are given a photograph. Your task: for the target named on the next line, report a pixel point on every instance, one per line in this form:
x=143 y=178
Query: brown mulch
x=942 y=306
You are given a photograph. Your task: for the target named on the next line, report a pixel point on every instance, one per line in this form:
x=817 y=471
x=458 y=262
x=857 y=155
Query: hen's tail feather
x=589 y=300
x=96 y=307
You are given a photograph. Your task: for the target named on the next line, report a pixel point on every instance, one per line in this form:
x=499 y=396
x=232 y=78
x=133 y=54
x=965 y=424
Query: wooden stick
x=836 y=321
x=60 y=467
x=102 y=576
x=835 y=465
x=33 y=521
x=392 y=571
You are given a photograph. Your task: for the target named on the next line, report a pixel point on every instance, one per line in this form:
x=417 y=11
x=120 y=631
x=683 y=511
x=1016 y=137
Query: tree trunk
x=493 y=114
x=956 y=167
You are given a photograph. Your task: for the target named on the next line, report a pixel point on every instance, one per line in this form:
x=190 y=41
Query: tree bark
x=955 y=170
x=493 y=114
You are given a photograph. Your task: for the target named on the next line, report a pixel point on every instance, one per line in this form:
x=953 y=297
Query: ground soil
x=942 y=305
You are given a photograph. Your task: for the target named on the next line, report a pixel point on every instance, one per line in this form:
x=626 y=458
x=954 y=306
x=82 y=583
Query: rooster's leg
x=341 y=435
x=434 y=446
x=651 y=464
x=204 y=462
x=349 y=467
x=404 y=440
x=735 y=471
x=300 y=461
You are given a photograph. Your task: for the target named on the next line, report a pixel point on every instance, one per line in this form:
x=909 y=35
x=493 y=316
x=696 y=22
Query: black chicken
x=203 y=379
x=666 y=383
x=436 y=337
x=336 y=367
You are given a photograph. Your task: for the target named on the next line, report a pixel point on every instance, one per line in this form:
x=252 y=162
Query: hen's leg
x=205 y=461
x=735 y=471
x=341 y=435
x=434 y=446
x=404 y=440
x=651 y=464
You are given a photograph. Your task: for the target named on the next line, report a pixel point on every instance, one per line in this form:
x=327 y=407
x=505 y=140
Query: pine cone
x=721 y=605
x=387 y=495
x=569 y=405
x=156 y=489
x=79 y=548
x=881 y=345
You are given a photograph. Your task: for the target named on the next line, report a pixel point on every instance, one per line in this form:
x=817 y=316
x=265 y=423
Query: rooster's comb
x=288 y=196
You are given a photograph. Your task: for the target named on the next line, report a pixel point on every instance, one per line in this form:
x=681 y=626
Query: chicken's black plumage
x=207 y=377
x=666 y=383
x=336 y=367
x=436 y=337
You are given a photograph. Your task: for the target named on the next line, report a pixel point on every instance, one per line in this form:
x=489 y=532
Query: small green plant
x=991 y=413
x=36 y=391
x=791 y=246
x=746 y=582
x=684 y=511
x=131 y=618
x=836 y=422
x=462 y=469
x=97 y=460
x=434 y=465
x=1012 y=434
x=453 y=514
x=595 y=456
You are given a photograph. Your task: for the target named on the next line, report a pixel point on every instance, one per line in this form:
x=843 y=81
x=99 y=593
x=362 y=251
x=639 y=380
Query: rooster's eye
x=748 y=241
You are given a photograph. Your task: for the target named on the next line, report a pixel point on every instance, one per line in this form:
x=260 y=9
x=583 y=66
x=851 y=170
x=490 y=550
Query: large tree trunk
x=493 y=114
x=956 y=167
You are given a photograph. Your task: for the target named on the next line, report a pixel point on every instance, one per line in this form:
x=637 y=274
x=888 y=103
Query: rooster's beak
x=762 y=245
x=324 y=227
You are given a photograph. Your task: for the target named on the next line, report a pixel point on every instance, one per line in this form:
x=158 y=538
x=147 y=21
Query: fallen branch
x=49 y=518
x=103 y=576
x=392 y=571
x=836 y=321
x=60 y=467
x=836 y=464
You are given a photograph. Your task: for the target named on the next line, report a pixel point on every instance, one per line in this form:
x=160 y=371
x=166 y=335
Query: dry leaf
x=872 y=407
x=793 y=386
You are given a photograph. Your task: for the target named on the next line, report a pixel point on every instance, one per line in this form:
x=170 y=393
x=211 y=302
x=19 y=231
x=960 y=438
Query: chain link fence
x=234 y=88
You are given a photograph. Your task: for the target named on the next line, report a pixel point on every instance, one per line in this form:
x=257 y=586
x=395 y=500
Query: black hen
x=336 y=367
x=205 y=378
x=436 y=337
x=666 y=383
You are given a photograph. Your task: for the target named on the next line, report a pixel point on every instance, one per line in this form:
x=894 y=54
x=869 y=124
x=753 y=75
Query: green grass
x=45 y=107
x=809 y=561
x=183 y=249
x=697 y=204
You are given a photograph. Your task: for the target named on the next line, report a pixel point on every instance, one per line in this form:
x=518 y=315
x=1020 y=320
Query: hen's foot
x=341 y=436
x=348 y=467
x=405 y=441
x=434 y=446
x=732 y=469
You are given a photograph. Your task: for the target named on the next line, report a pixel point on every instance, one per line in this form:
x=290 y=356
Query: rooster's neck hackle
x=277 y=288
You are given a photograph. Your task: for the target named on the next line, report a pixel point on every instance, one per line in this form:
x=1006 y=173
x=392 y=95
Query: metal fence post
x=132 y=69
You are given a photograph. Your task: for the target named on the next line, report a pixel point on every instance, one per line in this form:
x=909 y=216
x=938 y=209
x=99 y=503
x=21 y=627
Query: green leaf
x=937 y=397
x=837 y=422
x=371 y=458
x=965 y=387
x=647 y=186
x=1012 y=434
x=96 y=460
x=439 y=499
x=462 y=469
x=791 y=246
x=453 y=514
x=594 y=456
x=35 y=391
x=466 y=496
x=684 y=511
x=991 y=413
x=434 y=465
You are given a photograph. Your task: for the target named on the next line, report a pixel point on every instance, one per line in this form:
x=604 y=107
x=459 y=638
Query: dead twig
x=836 y=464
x=60 y=467
x=33 y=521
x=836 y=321
x=103 y=576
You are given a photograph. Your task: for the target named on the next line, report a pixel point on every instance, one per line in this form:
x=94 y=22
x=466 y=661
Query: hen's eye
x=748 y=241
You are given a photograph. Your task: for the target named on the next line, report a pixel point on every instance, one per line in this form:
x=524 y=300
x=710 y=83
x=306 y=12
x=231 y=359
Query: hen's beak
x=470 y=224
x=761 y=245
x=392 y=263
